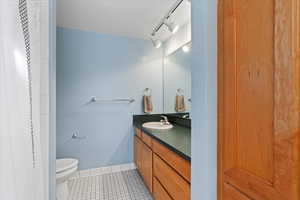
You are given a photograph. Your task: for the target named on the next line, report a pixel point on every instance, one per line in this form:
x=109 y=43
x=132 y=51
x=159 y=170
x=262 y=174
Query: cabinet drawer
x=147 y=139
x=177 y=187
x=138 y=132
x=182 y=166
x=159 y=193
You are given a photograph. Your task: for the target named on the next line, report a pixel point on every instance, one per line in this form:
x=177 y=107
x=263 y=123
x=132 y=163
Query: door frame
x=220 y=96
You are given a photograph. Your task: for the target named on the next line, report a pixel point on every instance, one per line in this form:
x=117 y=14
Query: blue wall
x=204 y=96
x=91 y=64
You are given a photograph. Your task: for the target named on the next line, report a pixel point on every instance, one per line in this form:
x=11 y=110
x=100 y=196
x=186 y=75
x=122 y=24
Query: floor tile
x=124 y=185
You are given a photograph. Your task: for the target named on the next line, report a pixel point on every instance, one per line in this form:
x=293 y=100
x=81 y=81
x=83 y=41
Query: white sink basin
x=157 y=126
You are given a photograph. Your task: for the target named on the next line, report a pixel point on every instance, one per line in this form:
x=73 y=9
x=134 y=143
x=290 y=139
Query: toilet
x=65 y=168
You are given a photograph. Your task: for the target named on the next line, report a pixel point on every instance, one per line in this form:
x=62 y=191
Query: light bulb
x=173 y=28
x=156 y=43
x=186 y=48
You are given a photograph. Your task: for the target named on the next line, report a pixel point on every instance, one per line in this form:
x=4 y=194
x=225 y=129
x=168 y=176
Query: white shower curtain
x=20 y=154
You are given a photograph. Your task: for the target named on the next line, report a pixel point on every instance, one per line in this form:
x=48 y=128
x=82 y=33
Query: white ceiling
x=133 y=18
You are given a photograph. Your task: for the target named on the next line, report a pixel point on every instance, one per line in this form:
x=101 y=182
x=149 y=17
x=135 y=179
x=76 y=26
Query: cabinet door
x=147 y=166
x=259 y=99
x=138 y=132
x=135 y=150
x=138 y=146
x=159 y=193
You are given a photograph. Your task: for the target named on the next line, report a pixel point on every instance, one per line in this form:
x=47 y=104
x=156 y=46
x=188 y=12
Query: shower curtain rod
x=167 y=16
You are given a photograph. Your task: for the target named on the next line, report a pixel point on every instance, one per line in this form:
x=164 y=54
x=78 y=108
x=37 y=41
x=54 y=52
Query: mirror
x=177 y=81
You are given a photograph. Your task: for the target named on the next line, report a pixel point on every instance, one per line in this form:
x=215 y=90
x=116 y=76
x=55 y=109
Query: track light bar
x=167 y=16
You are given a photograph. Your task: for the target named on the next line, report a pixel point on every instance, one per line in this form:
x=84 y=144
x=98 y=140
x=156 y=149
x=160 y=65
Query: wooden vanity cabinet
x=159 y=193
x=180 y=165
x=138 y=146
x=166 y=174
x=138 y=133
x=146 y=169
x=143 y=160
x=177 y=187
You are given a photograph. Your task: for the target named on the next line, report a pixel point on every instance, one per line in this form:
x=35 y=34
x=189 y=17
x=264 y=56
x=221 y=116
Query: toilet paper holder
x=76 y=137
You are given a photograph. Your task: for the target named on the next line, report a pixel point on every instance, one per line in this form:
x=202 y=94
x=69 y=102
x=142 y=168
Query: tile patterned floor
x=125 y=185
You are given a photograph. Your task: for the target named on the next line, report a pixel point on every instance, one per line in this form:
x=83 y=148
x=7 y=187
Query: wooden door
x=147 y=166
x=258 y=105
x=230 y=193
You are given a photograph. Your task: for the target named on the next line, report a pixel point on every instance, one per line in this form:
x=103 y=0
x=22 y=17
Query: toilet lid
x=65 y=164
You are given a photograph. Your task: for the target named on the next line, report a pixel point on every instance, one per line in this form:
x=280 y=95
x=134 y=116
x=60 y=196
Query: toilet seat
x=60 y=177
x=65 y=168
x=63 y=165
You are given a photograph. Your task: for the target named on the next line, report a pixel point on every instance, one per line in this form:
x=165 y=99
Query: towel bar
x=94 y=100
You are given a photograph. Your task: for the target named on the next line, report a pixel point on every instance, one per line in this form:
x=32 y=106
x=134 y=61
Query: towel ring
x=147 y=92
x=179 y=92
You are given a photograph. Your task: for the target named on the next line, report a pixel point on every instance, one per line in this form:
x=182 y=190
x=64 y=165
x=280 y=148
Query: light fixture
x=156 y=43
x=186 y=48
x=173 y=28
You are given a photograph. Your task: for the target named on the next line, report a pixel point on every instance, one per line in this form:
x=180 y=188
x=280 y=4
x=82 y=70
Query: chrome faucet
x=186 y=116
x=164 y=120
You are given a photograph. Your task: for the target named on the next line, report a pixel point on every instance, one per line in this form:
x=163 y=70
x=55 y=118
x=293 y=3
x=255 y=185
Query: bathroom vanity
x=163 y=159
x=162 y=151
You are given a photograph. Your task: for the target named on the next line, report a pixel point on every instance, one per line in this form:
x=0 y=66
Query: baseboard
x=103 y=170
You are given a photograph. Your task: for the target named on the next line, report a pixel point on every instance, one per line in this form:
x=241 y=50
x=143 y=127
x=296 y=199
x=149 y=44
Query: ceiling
x=132 y=18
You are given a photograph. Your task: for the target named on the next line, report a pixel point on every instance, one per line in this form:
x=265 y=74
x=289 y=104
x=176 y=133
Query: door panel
x=254 y=86
x=258 y=111
x=231 y=193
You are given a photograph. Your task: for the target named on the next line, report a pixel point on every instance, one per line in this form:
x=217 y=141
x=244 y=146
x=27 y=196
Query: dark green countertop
x=177 y=139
